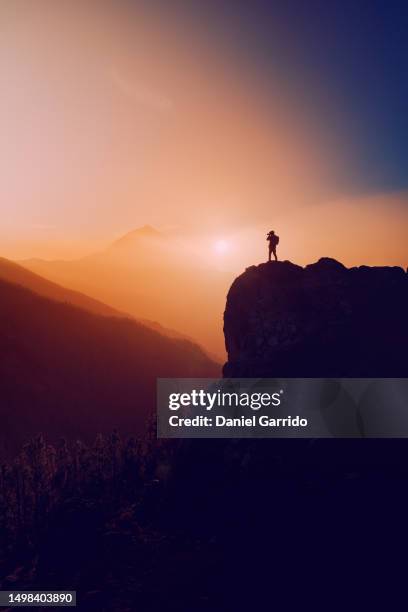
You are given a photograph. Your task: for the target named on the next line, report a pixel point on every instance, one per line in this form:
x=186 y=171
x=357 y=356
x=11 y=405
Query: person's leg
x=270 y=253
x=274 y=253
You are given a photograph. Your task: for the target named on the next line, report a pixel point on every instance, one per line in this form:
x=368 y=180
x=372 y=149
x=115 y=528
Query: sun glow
x=221 y=247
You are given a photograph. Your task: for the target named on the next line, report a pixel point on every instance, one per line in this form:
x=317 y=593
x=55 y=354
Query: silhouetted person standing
x=273 y=240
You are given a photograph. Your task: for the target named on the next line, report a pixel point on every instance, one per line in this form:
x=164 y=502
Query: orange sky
x=112 y=119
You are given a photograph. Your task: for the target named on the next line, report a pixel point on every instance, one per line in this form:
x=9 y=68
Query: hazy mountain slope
x=67 y=372
x=14 y=273
x=149 y=275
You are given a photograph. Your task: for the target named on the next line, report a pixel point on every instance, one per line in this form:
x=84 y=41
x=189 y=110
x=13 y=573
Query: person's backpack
x=273 y=238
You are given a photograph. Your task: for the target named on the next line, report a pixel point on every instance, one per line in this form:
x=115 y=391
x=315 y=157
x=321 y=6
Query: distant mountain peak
x=146 y=232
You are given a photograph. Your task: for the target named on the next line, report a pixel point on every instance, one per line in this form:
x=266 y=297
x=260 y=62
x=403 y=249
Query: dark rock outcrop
x=324 y=320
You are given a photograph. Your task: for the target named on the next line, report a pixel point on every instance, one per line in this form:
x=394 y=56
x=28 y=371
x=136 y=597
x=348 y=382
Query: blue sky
x=347 y=58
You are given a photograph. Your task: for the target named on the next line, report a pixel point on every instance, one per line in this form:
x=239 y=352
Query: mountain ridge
x=17 y=274
x=72 y=373
x=145 y=232
x=147 y=279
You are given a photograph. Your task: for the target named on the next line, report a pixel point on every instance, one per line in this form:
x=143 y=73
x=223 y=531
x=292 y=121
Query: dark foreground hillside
x=203 y=525
x=67 y=372
x=216 y=525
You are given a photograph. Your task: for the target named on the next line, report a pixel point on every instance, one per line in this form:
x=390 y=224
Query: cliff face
x=324 y=320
